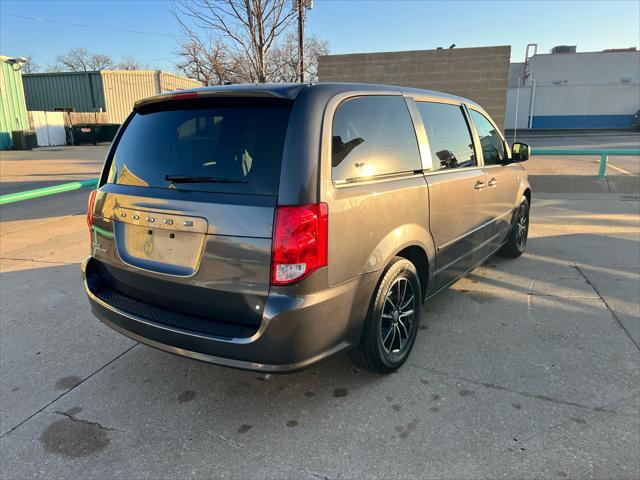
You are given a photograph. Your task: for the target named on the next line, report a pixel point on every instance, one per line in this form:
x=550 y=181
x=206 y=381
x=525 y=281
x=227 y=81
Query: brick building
x=479 y=74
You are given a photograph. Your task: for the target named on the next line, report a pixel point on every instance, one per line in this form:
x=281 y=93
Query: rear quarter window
x=237 y=143
x=373 y=136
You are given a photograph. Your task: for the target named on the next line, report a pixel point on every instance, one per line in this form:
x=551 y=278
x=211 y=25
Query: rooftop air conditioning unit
x=564 y=49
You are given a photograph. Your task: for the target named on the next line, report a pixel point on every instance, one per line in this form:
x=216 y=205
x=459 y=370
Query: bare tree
x=81 y=60
x=128 y=63
x=250 y=29
x=285 y=63
x=30 y=66
x=210 y=62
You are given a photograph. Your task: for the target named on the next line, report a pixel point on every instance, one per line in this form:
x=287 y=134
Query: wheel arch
x=411 y=241
x=418 y=256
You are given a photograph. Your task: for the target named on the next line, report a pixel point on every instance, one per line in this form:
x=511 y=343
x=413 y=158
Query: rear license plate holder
x=159 y=242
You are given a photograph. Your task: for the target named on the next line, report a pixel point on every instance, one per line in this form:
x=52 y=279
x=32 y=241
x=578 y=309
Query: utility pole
x=301 y=39
x=301 y=5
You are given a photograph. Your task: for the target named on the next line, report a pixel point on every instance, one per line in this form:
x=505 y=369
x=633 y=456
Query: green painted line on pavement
x=41 y=192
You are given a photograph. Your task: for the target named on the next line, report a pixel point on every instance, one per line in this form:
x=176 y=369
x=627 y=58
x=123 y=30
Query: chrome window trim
x=417 y=97
x=391 y=177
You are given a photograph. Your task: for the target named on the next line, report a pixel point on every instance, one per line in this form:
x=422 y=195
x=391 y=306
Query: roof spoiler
x=213 y=92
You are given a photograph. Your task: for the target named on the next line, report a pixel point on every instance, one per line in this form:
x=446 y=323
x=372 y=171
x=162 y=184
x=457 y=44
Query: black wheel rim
x=522 y=226
x=398 y=313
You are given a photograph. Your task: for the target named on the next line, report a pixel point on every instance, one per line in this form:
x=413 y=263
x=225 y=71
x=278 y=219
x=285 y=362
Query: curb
x=42 y=192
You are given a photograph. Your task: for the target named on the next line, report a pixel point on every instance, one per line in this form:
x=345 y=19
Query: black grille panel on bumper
x=164 y=316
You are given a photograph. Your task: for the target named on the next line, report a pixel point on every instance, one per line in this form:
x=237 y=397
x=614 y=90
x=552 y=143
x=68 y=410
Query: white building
x=574 y=90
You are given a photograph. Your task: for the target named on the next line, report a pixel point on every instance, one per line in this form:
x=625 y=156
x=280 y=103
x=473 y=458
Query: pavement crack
x=526 y=292
x=278 y=462
x=29 y=260
x=545 y=398
x=535 y=396
x=67 y=391
x=606 y=304
x=565 y=421
x=87 y=422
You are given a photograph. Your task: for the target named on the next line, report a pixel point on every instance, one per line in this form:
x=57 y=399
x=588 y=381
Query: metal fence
x=603 y=154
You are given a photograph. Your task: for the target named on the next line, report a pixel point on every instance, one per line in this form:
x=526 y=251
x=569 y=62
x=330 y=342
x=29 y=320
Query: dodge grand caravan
x=268 y=227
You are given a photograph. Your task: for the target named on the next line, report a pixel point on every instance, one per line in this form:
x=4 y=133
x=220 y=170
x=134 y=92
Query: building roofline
x=45 y=74
x=134 y=72
x=608 y=51
x=416 y=51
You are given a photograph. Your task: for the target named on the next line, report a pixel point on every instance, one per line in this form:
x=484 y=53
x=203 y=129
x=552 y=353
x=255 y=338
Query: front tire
x=393 y=319
x=517 y=240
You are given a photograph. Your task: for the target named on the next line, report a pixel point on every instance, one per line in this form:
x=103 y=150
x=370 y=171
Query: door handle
x=480 y=185
x=493 y=182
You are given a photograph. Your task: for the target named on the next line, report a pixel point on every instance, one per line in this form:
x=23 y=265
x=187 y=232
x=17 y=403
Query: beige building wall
x=122 y=88
x=479 y=74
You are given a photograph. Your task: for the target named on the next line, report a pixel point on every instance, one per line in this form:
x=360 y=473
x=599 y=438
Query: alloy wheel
x=397 y=316
x=522 y=226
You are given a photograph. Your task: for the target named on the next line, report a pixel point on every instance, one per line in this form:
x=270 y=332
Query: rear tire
x=393 y=319
x=517 y=240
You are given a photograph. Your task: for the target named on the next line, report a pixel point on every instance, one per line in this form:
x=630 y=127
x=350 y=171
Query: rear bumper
x=296 y=330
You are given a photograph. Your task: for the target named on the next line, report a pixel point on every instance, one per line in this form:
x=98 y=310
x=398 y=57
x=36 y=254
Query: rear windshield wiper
x=199 y=179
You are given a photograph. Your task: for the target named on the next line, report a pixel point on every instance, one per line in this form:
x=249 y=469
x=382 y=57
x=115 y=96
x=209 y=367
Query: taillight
x=184 y=96
x=90 y=204
x=299 y=242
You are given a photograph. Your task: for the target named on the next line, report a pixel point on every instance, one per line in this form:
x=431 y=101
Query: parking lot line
x=42 y=192
x=622 y=170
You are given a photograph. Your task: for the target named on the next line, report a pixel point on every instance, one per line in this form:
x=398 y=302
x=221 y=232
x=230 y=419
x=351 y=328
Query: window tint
x=449 y=138
x=493 y=150
x=239 y=144
x=373 y=136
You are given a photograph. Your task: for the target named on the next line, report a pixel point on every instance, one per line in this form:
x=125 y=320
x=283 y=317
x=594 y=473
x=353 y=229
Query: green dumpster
x=24 y=139
x=108 y=131
x=85 y=133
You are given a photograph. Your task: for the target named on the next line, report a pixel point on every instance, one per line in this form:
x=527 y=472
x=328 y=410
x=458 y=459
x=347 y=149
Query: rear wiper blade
x=199 y=179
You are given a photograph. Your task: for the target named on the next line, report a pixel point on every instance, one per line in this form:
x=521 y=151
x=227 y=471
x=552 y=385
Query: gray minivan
x=267 y=227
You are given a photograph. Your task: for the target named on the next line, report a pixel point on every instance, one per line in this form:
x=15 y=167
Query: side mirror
x=519 y=152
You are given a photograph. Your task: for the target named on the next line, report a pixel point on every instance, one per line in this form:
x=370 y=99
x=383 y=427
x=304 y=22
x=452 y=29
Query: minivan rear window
x=223 y=145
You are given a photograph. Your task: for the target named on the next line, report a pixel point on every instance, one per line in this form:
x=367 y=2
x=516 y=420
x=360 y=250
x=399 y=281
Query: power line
x=85 y=25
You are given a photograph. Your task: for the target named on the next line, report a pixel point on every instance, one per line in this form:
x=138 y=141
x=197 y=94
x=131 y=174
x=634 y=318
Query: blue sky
x=349 y=26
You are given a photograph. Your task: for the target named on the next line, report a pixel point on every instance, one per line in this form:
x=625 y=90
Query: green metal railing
x=41 y=192
x=604 y=154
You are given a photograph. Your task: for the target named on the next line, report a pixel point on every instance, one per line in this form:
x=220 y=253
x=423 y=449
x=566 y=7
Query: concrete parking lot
x=525 y=368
